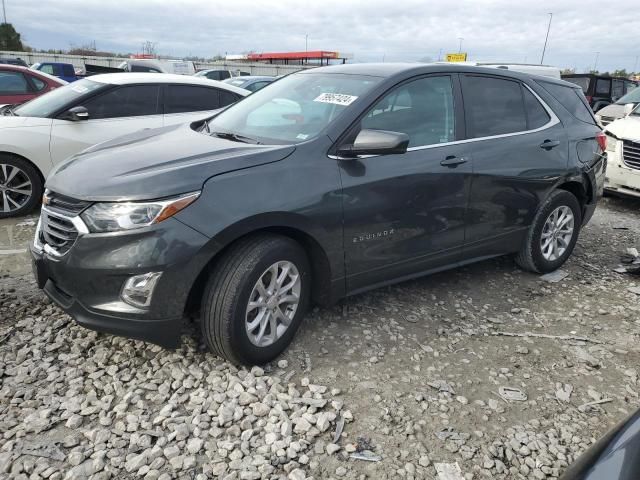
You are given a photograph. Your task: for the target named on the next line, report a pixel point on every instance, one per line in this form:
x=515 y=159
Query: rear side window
x=537 y=116
x=582 y=82
x=603 y=86
x=128 y=101
x=571 y=99
x=187 y=98
x=39 y=84
x=13 y=83
x=493 y=106
x=227 y=98
x=68 y=71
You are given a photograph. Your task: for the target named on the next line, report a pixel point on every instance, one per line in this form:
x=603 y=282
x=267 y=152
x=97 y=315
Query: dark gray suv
x=326 y=183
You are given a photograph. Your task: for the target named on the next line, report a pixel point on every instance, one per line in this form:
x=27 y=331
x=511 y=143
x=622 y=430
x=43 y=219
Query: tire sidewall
x=559 y=199
x=36 y=185
x=240 y=342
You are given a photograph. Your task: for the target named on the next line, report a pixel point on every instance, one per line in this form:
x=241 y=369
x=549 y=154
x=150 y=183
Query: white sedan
x=49 y=129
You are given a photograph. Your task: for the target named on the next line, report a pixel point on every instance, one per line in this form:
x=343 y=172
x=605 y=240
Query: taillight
x=601 y=138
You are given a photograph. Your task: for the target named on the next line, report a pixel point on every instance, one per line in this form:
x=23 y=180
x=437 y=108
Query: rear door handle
x=549 y=144
x=453 y=161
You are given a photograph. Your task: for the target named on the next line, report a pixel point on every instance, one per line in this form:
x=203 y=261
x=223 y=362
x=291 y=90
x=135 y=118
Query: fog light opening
x=138 y=290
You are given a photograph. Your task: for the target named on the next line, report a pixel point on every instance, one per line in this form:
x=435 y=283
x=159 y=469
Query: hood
x=614 y=111
x=156 y=163
x=627 y=128
x=12 y=121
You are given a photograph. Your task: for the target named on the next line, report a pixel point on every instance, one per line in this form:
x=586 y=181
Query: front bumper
x=87 y=281
x=620 y=178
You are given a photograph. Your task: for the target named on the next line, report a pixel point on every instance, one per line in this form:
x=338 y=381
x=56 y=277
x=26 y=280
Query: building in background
x=312 y=57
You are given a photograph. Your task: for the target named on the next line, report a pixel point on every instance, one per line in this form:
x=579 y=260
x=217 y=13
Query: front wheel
x=20 y=186
x=255 y=300
x=552 y=235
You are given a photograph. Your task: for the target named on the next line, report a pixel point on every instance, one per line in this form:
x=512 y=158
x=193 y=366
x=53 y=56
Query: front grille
x=58 y=221
x=631 y=154
x=606 y=120
x=57 y=231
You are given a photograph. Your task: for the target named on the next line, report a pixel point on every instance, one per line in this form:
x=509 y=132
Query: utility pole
x=4 y=12
x=544 y=49
x=635 y=65
x=460 y=46
x=440 y=55
x=595 y=64
x=306 y=47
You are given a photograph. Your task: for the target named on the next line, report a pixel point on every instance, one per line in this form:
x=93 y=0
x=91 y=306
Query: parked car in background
x=615 y=456
x=616 y=110
x=152 y=65
x=329 y=182
x=220 y=74
x=20 y=84
x=623 y=154
x=601 y=90
x=65 y=71
x=45 y=131
x=13 y=61
x=251 y=83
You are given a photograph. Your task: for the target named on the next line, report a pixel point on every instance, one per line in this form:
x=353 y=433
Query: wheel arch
x=22 y=157
x=321 y=271
x=579 y=188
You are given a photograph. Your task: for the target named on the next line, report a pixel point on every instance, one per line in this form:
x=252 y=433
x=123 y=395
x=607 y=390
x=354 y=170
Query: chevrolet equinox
x=326 y=183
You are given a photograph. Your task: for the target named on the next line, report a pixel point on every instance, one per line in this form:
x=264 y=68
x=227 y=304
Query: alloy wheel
x=16 y=188
x=557 y=233
x=273 y=303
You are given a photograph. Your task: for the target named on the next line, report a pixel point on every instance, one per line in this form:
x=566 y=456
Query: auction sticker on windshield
x=335 y=98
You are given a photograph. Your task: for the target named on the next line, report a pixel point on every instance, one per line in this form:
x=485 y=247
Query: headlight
x=611 y=143
x=118 y=216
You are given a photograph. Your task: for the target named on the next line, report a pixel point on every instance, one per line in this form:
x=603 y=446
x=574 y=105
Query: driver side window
x=423 y=109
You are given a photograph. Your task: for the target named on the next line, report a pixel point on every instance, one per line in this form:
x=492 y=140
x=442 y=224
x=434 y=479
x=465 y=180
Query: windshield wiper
x=7 y=111
x=235 y=137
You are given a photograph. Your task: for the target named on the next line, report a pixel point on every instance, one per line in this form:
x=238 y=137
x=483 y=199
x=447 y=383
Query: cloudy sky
x=371 y=30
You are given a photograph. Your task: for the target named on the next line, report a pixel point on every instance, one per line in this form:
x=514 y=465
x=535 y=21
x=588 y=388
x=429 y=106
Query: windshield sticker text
x=336 y=98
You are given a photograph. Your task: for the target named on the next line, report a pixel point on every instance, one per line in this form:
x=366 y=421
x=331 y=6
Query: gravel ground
x=411 y=374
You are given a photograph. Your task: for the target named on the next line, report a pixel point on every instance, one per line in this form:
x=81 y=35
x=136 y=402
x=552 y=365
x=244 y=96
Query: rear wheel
x=20 y=186
x=553 y=234
x=255 y=300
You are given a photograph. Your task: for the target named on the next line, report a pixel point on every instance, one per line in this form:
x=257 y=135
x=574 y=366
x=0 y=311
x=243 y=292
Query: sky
x=370 y=30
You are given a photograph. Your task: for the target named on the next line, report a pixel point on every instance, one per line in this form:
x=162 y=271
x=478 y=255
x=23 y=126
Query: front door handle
x=549 y=144
x=453 y=161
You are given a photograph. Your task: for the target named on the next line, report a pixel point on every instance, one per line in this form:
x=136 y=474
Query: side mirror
x=628 y=108
x=376 y=142
x=76 y=114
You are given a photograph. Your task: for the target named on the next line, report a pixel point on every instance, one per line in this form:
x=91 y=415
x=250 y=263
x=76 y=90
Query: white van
x=530 y=68
x=179 y=67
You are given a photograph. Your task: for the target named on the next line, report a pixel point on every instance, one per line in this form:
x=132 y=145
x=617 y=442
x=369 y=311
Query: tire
x=226 y=321
x=531 y=257
x=23 y=177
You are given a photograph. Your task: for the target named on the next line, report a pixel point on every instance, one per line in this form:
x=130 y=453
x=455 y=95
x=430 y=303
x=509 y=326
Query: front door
x=405 y=214
x=116 y=112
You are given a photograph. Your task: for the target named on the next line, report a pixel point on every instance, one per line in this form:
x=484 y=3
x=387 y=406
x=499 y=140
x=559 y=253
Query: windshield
x=294 y=109
x=632 y=97
x=582 y=82
x=49 y=103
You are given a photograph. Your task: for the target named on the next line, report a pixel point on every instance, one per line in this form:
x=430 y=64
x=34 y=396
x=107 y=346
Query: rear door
x=119 y=111
x=519 y=150
x=405 y=213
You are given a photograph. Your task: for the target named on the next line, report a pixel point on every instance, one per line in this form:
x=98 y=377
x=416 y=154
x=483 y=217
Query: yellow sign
x=456 y=57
